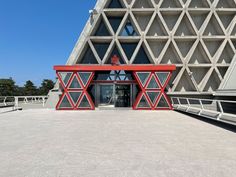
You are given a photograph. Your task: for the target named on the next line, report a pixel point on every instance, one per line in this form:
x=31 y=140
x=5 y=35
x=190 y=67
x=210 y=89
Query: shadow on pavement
x=223 y=125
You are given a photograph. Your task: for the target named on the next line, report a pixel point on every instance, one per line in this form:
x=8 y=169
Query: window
x=162 y=77
x=75 y=96
x=153 y=84
x=115 y=4
x=143 y=77
x=84 y=77
x=141 y=57
x=88 y=57
x=65 y=103
x=101 y=49
x=114 y=76
x=143 y=103
x=115 y=22
x=65 y=77
x=129 y=49
x=84 y=103
x=75 y=84
x=153 y=96
x=128 y=30
x=162 y=103
x=102 y=30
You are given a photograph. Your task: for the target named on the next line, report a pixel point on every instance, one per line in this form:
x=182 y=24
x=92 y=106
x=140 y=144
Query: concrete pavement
x=124 y=143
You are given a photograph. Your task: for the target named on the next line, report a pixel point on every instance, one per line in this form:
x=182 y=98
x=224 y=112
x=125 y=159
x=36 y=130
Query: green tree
x=30 y=89
x=20 y=91
x=46 y=86
x=7 y=87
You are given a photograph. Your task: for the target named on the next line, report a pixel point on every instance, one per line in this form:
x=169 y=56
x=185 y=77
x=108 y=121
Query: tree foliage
x=9 y=88
x=46 y=86
x=30 y=89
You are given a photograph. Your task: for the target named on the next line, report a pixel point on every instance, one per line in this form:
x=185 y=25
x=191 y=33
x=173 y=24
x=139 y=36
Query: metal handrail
x=14 y=101
x=203 y=99
x=203 y=109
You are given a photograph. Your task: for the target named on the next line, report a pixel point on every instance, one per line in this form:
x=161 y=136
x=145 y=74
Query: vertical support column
x=152 y=95
x=16 y=104
x=74 y=87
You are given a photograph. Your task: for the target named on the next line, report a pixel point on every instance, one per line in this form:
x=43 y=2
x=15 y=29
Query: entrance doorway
x=106 y=95
x=115 y=95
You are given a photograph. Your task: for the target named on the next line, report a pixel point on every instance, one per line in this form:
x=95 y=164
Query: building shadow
x=223 y=125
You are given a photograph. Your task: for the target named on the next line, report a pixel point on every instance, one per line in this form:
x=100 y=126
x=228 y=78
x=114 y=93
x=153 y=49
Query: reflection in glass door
x=122 y=95
x=115 y=95
x=106 y=95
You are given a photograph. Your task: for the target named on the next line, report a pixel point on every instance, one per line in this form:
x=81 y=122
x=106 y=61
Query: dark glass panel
x=129 y=77
x=141 y=57
x=101 y=49
x=143 y=77
x=162 y=103
x=162 y=77
x=153 y=96
x=65 y=77
x=102 y=30
x=143 y=103
x=114 y=75
x=153 y=84
x=129 y=49
x=115 y=22
x=136 y=91
x=84 y=103
x=84 y=77
x=102 y=75
x=75 y=96
x=122 y=96
x=106 y=95
x=65 y=103
x=88 y=58
x=91 y=91
x=75 y=84
x=115 y=4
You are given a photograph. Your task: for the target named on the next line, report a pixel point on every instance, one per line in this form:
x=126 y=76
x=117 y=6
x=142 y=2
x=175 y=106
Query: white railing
x=17 y=101
x=220 y=110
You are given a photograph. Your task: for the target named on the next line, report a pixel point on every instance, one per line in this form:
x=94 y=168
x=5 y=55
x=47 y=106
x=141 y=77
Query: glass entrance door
x=115 y=95
x=122 y=95
x=106 y=95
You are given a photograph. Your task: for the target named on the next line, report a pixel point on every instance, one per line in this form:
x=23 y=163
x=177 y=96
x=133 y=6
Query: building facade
x=198 y=37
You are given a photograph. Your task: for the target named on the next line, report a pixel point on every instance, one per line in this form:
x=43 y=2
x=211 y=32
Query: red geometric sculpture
x=152 y=95
x=75 y=95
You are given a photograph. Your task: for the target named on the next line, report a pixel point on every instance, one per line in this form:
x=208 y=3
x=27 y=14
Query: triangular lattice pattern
x=75 y=95
x=197 y=35
x=152 y=95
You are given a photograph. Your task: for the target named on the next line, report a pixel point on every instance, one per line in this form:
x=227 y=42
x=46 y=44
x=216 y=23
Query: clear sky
x=37 y=34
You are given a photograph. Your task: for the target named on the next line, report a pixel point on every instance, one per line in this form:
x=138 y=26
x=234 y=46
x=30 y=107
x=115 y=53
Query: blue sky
x=35 y=35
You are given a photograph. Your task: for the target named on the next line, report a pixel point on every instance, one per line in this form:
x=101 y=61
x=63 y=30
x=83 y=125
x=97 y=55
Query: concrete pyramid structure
x=198 y=36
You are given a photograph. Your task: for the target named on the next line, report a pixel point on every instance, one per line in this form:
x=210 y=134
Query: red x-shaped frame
x=152 y=95
x=75 y=95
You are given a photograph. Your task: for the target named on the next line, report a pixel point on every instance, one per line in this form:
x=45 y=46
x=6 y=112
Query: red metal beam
x=119 y=67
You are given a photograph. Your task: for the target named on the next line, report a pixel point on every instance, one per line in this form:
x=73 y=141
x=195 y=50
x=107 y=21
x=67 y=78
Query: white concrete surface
x=48 y=143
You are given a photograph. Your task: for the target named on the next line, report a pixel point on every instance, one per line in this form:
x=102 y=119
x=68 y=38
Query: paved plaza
x=124 y=143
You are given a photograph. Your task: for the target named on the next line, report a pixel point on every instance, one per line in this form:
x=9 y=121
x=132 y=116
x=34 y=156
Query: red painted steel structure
x=157 y=87
x=81 y=90
x=115 y=68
